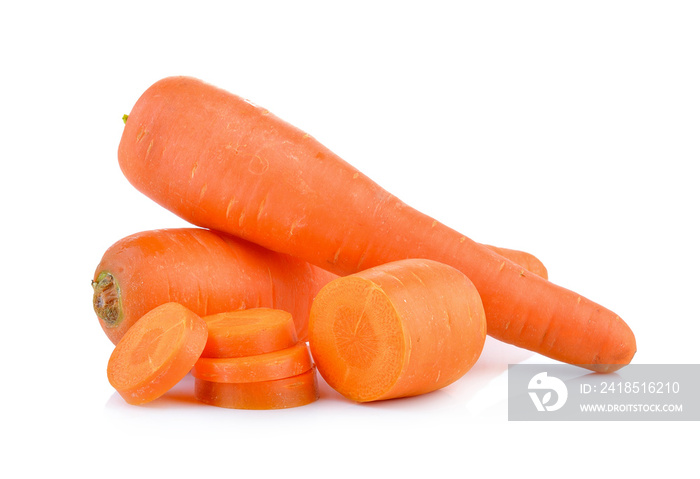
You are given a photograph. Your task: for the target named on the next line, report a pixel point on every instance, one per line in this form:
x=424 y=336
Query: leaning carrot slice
x=249 y=332
x=262 y=367
x=156 y=353
x=278 y=394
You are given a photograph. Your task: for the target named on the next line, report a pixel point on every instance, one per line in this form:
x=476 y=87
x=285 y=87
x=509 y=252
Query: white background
x=567 y=129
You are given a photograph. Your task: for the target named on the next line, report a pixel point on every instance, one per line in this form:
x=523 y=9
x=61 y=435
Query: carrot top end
x=107 y=300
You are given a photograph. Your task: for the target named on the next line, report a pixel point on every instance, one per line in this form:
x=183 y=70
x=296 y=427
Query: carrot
x=248 y=332
x=277 y=394
x=260 y=367
x=221 y=162
x=156 y=353
x=206 y=271
x=400 y=329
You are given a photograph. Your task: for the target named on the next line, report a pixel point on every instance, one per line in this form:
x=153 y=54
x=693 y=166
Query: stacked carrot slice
x=246 y=359
x=254 y=360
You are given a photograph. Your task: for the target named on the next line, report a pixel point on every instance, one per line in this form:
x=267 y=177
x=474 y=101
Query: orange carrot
x=219 y=161
x=249 y=332
x=156 y=353
x=260 y=367
x=207 y=271
x=278 y=394
x=400 y=329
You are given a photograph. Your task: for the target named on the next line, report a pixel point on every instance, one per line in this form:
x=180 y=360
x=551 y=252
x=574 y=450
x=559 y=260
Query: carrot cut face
x=262 y=367
x=401 y=329
x=278 y=394
x=357 y=341
x=249 y=332
x=156 y=353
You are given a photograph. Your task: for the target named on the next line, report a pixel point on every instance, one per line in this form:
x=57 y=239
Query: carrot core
x=106 y=299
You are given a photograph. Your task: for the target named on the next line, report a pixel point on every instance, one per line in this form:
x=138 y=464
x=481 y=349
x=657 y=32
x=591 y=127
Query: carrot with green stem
x=221 y=162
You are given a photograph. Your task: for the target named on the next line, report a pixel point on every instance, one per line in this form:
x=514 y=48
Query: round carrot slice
x=156 y=353
x=278 y=394
x=249 y=332
x=262 y=367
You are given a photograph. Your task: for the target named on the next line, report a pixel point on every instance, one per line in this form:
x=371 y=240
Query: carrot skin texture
x=527 y=260
x=207 y=271
x=221 y=162
x=399 y=329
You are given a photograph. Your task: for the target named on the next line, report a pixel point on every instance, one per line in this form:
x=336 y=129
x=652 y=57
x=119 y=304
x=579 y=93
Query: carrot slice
x=156 y=353
x=278 y=394
x=249 y=332
x=262 y=367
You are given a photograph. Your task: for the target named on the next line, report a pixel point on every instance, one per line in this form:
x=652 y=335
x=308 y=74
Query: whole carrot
x=206 y=271
x=221 y=162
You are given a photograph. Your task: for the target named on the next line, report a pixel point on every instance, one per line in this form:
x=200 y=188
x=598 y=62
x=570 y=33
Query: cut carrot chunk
x=278 y=394
x=249 y=332
x=262 y=367
x=401 y=329
x=156 y=353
